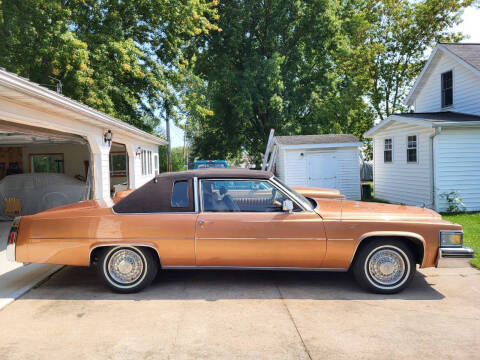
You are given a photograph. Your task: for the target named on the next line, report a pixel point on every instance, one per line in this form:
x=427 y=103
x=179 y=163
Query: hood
x=359 y=210
x=319 y=193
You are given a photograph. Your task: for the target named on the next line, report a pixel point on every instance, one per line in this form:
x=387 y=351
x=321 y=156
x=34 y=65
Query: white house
x=43 y=131
x=421 y=156
x=326 y=161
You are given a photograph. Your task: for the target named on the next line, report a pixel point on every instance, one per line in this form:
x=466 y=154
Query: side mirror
x=287 y=206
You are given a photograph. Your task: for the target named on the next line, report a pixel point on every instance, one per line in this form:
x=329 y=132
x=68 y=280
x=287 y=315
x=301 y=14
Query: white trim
x=399 y=118
x=416 y=150
x=459 y=59
x=387 y=138
x=409 y=98
x=451 y=106
x=29 y=88
x=456 y=124
x=319 y=146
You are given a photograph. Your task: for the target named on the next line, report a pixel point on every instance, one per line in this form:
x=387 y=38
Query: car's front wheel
x=127 y=269
x=384 y=266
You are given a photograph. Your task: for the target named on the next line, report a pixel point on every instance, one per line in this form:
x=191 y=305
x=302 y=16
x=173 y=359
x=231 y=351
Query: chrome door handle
x=201 y=222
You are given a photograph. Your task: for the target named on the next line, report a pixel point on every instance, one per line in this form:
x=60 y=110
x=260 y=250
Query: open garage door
x=41 y=169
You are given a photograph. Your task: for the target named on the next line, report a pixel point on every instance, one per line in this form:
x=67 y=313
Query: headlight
x=451 y=238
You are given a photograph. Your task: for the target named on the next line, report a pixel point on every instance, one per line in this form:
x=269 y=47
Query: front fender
x=398 y=234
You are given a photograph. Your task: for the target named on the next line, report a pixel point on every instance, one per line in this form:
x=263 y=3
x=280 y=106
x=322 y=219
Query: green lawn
x=471 y=230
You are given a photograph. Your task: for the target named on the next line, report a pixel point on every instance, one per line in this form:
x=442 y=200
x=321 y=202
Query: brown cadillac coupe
x=237 y=219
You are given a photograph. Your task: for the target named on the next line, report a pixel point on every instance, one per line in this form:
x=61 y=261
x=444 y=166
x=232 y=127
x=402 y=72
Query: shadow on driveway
x=81 y=283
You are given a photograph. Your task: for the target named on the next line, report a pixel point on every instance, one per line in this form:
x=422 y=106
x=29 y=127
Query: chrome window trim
x=274 y=184
x=195 y=193
x=449 y=232
x=291 y=195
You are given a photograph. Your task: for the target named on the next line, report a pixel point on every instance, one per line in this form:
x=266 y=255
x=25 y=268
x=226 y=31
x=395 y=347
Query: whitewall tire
x=384 y=266
x=127 y=269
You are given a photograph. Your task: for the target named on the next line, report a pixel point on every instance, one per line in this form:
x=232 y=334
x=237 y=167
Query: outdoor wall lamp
x=107 y=137
x=138 y=152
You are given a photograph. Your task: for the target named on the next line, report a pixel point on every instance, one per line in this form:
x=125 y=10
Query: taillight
x=11 y=239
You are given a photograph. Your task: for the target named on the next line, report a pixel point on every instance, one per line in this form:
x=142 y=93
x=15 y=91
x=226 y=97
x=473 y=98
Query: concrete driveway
x=245 y=315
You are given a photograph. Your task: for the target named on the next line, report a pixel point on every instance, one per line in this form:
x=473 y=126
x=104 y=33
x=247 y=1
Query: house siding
x=293 y=169
x=399 y=181
x=466 y=88
x=457 y=166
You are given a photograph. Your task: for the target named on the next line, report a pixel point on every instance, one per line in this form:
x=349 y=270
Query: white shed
x=324 y=161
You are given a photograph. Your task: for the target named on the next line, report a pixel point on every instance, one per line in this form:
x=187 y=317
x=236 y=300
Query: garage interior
x=41 y=169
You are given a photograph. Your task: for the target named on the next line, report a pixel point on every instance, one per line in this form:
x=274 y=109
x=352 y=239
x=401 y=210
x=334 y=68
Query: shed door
x=322 y=170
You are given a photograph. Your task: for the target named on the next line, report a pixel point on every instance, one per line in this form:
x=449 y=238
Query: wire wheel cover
x=386 y=267
x=125 y=266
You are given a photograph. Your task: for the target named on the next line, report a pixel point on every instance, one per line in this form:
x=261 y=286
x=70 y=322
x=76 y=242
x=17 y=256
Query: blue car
x=203 y=164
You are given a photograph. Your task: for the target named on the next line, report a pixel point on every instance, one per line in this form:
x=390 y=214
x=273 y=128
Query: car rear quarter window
x=180 y=194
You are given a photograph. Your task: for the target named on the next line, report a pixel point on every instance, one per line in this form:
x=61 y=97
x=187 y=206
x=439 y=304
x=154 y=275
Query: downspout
x=437 y=131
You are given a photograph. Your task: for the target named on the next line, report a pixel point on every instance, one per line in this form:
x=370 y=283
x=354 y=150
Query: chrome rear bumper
x=454 y=257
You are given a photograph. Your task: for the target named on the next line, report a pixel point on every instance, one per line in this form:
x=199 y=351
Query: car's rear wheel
x=384 y=266
x=127 y=269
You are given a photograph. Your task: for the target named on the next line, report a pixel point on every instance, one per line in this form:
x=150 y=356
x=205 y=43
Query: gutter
x=439 y=125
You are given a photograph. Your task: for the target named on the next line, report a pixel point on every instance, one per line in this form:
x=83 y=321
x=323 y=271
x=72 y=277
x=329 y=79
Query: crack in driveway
x=305 y=348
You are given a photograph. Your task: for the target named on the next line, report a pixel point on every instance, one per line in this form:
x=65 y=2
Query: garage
x=324 y=161
x=41 y=169
x=55 y=151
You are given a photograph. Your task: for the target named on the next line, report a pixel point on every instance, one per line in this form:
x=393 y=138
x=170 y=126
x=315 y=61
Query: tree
x=178 y=161
x=277 y=64
x=124 y=58
x=399 y=35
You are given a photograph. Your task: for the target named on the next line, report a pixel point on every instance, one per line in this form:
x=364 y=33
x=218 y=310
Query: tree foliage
x=399 y=35
x=277 y=64
x=321 y=66
x=125 y=58
x=178 y=160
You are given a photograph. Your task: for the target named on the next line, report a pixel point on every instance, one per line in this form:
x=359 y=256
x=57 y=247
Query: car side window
x=241 y=196
x=180 y=194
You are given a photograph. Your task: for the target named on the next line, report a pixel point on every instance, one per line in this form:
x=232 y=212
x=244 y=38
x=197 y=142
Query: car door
x=242 y=225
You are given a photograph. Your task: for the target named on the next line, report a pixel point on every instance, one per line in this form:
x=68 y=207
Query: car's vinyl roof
x=232 y=173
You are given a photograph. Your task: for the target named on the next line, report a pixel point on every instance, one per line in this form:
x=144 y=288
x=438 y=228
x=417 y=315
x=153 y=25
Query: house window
x=47 y=163
x=118 y=164
x=146 y=159
x=155 y=164
x=447 y=89
x=387 y=151
x=412 y=149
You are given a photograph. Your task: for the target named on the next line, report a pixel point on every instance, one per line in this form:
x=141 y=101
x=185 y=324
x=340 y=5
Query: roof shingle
x=316 y=139
x=468 y=52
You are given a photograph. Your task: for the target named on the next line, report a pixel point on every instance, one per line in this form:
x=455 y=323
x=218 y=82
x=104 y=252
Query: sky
x=470 y=27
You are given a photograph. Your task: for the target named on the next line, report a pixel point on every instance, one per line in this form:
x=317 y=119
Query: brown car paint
x=325 y=238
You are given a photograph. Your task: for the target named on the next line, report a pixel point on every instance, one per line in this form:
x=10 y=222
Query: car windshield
x=302 y=199
x=210 y=165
